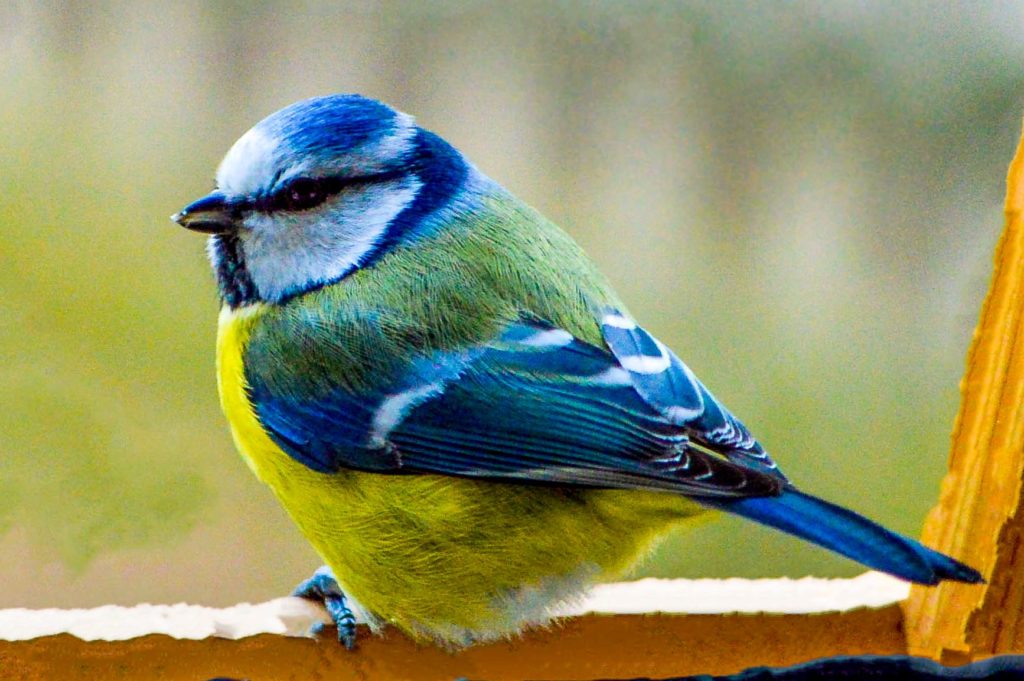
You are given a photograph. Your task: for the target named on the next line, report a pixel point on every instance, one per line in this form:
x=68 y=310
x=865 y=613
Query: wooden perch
x=979 y=517
x=591 y=646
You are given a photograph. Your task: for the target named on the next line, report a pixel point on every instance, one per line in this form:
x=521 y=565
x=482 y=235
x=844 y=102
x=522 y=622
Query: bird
x=450 y=400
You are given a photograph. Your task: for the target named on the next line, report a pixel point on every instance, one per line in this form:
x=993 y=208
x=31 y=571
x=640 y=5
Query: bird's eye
x=304 y=193
x=301 y=194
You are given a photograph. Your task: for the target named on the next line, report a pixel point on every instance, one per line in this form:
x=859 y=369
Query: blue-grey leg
x=323 y=588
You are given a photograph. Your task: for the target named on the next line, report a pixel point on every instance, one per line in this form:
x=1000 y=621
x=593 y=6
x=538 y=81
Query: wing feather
x=533 y=405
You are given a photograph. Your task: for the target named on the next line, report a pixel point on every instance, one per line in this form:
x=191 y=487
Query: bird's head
x=317 y=190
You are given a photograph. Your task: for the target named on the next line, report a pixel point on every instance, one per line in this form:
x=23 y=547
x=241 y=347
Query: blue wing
x=668 y=385
x=534 y=404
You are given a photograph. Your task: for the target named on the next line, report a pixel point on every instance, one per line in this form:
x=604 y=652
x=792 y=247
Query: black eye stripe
x=304 y=193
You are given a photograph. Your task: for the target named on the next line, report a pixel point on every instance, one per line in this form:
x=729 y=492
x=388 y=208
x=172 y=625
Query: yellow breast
x=233 y=329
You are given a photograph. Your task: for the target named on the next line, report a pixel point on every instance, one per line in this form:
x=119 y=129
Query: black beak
x=212 y=214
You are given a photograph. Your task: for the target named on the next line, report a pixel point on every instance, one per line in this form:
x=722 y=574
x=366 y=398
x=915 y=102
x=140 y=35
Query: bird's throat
x=233 y=279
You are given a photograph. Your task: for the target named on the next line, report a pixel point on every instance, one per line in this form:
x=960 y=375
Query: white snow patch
x=287 y=616
x=294 y=616
x=720 y=596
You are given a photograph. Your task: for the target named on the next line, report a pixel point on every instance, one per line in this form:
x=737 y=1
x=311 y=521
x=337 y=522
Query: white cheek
x=286 y=253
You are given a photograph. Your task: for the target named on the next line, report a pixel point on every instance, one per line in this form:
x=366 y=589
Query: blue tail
x=852 y=535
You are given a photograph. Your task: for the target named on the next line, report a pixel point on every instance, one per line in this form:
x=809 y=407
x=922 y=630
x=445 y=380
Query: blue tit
x=450 y=400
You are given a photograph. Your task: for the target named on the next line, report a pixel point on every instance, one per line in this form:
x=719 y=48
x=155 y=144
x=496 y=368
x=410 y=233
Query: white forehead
x=262 y=157
x=249 y=165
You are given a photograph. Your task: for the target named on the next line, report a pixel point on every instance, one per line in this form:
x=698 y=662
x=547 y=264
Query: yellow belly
x=446 y=558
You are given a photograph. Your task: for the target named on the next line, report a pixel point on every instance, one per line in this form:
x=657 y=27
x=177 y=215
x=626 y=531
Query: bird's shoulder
x=455 y=287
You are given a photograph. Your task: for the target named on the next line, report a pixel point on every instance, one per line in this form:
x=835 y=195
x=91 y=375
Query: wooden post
x=980 y=517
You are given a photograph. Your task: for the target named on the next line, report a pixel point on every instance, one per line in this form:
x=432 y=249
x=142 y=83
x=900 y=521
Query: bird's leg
x=323 y=588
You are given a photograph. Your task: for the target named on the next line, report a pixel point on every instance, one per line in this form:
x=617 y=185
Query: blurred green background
x=801 y=198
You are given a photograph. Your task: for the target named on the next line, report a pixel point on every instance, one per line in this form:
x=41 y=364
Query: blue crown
x=333 y=125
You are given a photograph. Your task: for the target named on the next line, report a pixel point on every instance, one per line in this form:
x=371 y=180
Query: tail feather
x=852 y=535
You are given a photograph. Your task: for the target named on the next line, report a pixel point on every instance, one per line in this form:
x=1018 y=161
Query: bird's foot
x=323 y=588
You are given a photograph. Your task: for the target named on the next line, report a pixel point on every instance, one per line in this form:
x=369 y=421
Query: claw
x=323 y=588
